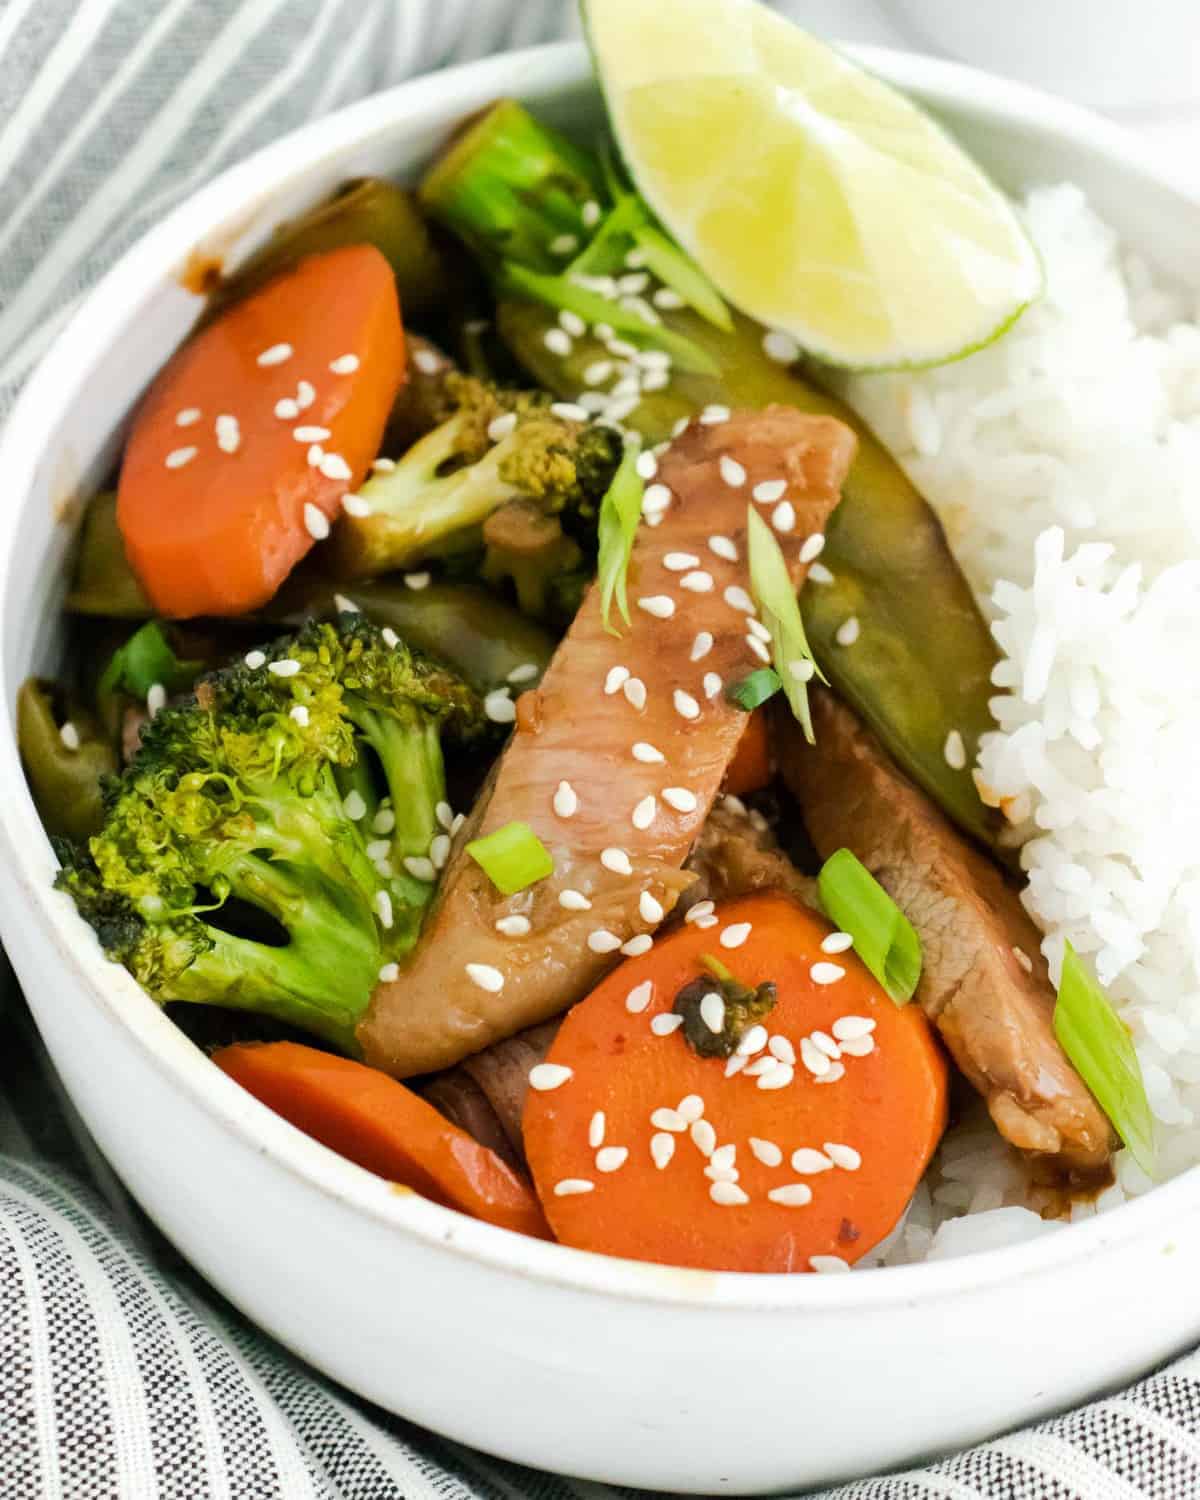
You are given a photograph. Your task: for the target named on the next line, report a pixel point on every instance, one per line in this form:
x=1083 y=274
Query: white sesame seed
x=628 y=386
x=662 y=1149
x=617 y=861
x=699 y=909
x=737 y=598
x=644 y=813
x=754 y=1041
x=298 y=712
x=852 y=1028
x=955 y=751
x=835 y=1071
x=377 y=849
x=712 y=1012
x=650 y=908
x=819 y=573
x=766 y=1152
x=316 y=523
x=499 y=707
x=734 y=936
x=569 y=411
x=778 y=1078
x=680 y=562
x=727 y=1194
x=756 y=627
x=808 y=1161
x=666 y=1023
x=306 y=394
x=668 y=299
x=701 y=646
x=791 y=1195
x=822 y=973
x=721 y=1174
x=646 y=465
x=732 y=472
x=635 y=693
x=1023 y=959
x=459 y=820
x=286 y=409
x=723 y=1156
x=680 y=798
x=572 y=323
x=492 y=981
x=558 y=341
x=420 y=868
x=275 y=355
x=566 y=803
x=572 y=900
x=837 y=942
x=355 y=505
x=712 y=416
x=639 y=997
x=514 y=926
x=596 y=1127
x=656 y=498
x=826 y=1043
x=781 y=347
x=188 y=416
x=804 y=670
x=734 y=1065
x=621 y=347
x=813 y=547
x=229 y=433
x=847 y=632
x=254 y=659
x=334 y=466
x=500 y=427
x=571 y=1187
x=704 y=1137
x=598 y=372
x=417 y=581
x=285 y=668
x=427 y=361
x=827 y=1263
x=685 y=705
x=615 y=679
x=783 y=517
x=712 y=684
x=564 y=244
x=758 y=648
x=780 y=1047
x=861 y=1046
x=723 y=547
x=611 y=1158
x=647 y=754
x=813 y=1058
x=769 y=490
x=346 y=364
x=638 y=945
x=383 y=908
x=389 y=637
x=383 y=465
x=389 y=973
x=697 y=582
x=661 y=606
x=590 y=214
x=664 y=1118
x=354 y=807
x=632 y=285
x=602 y=941
x=845 y=1157
x=526 y=672
x=761 y=1066
x=444 y=813
x=180 y=456
x=314 y=456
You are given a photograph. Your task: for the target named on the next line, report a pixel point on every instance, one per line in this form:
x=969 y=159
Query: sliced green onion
x=676 y=269
x=557 y=291
x=883 y=936
x=620 y=512
x=603 y=252
x=755 y=689
x=1099 y=1045
x=776 y=599
x=512 y=858
x=146 y=658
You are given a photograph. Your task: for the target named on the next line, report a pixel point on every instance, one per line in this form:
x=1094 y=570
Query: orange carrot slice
x=750 y=769
x=633 y=1146
x=376 y=1122
x=247 y=441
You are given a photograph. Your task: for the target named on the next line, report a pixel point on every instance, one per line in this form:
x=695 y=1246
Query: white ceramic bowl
x=624 y=1372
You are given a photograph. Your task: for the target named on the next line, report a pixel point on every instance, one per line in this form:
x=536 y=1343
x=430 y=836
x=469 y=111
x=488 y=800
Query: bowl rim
x=29 y=434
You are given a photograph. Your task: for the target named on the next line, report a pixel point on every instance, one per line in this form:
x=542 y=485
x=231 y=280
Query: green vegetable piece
x=620 y=512
x=922 y=663
x=741 y=1008
x=65 y=779
x=677 y=270
x=365 y=211
x=1099 y=1045
x=754 y=689
x=529 y=550
x=145 y=659
x=513 y=858
x=883 y=936
x=776 y=598
x=105 y=583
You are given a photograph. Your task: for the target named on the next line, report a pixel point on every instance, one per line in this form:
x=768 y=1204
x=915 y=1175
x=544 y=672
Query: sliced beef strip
x=994 y=1014
x=468 y=984
x=737 y=854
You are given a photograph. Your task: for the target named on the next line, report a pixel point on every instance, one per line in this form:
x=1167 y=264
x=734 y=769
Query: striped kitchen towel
x=122 y=1376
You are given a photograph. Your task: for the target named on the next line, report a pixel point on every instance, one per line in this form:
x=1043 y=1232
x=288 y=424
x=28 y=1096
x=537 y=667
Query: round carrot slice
x=641 y=1147
x=247 y=441
x=376 y=1122
x=750 y=769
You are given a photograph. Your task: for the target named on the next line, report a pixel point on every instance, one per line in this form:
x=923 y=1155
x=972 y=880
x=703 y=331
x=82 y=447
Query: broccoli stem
x=510 y=186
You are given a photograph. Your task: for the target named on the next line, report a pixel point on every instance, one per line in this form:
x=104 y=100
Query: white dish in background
x=625 y=1372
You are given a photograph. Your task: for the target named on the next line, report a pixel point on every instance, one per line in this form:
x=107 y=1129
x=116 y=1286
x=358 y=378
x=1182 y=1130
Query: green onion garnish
x=883 y=936
x=620 y=512
x=676 y=269
x=512 y=858
x=146 y=658
x=755 y=689
x=557 y=291
x=1096 y=1040
x=776 y=599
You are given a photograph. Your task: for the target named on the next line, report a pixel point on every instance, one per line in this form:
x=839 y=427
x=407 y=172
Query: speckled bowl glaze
x=630 y=1373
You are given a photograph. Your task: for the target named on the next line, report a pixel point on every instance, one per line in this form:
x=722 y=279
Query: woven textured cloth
x=122 y=1375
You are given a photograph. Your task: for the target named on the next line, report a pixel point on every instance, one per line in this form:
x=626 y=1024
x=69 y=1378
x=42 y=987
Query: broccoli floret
x=448 y=483
x=268 y=848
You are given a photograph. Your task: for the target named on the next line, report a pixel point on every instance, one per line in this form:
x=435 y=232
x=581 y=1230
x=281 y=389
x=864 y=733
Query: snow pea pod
x=63 y=777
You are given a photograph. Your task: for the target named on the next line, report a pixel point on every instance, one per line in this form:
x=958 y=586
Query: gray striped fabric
x=121 y=1376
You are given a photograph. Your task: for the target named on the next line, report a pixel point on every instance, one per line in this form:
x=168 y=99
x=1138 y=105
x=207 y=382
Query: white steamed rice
x=1065 y=464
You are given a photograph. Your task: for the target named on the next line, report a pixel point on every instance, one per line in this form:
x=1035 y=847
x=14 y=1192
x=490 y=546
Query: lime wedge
x=816 y=198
